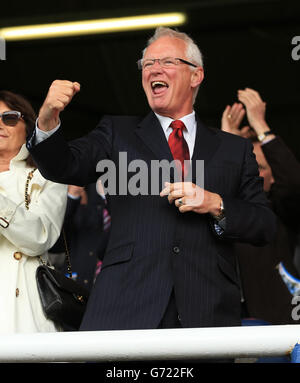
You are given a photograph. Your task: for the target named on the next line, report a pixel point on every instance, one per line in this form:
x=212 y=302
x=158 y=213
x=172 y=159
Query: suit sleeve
x=248 y=215
x=73 y=163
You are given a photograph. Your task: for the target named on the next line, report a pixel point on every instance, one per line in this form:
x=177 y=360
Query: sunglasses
x=11 y=118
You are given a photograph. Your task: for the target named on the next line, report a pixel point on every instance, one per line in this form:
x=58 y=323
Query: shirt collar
x=189 y=121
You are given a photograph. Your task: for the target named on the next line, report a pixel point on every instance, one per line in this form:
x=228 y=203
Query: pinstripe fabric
x=154 y=248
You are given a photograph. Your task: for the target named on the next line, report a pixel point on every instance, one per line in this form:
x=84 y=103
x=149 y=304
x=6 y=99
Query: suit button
x=91 y=253
x=176 y=249
x=17 y=292
x=17 y=255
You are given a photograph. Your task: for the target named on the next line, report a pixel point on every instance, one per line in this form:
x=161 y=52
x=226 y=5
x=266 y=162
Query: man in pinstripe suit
x=169 y=260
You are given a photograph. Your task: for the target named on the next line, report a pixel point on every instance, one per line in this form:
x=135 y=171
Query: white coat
x=29 y=234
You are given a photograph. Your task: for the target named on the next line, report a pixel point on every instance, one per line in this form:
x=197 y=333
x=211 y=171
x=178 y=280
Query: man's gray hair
x=193 y=53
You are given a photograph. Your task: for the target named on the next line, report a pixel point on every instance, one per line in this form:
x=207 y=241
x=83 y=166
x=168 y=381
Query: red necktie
x=178 y=145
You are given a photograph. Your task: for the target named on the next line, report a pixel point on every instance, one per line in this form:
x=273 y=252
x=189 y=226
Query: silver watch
x=221 y=215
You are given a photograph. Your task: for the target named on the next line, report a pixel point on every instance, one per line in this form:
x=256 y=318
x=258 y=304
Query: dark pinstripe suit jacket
x=152 y=246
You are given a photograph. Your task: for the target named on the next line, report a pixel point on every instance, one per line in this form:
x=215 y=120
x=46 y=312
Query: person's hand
x=59 y=96
x=75 y=191
x=232 y=118
x=78 y=192
x=190 y=197
x=255 y=108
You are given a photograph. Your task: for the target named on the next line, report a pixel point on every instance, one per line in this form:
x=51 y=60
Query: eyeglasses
x=11 y=118
x=166 y=62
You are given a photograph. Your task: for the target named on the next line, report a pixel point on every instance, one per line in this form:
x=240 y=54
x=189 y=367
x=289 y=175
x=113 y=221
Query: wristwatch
x=262 y=136
x=221 y=215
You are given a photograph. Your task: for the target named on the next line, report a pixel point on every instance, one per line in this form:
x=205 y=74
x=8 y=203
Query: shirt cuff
x=267 y=140
x=73 y=196
x=41 y=135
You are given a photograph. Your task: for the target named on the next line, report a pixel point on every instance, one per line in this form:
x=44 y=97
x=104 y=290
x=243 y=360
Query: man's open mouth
x=159 y=87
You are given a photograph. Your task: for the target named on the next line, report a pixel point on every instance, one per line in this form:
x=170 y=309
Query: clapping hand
x=232 y=118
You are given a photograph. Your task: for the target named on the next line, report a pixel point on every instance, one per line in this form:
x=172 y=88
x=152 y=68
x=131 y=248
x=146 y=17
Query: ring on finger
x=229 y=116
x=180 y=201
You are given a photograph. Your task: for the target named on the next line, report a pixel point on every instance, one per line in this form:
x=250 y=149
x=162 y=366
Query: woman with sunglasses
x=31 y=215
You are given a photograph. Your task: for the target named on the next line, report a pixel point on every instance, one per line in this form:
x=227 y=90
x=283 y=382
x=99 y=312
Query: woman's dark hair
x=19 y=103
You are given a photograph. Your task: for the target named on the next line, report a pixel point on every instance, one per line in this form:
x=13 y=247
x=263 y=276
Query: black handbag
x=63 y=299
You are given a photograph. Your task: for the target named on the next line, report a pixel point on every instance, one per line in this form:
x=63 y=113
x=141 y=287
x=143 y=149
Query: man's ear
x=197 y=77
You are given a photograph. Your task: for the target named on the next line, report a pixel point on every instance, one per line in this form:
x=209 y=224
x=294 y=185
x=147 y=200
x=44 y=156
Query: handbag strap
x=69 y=266
x=27 y=202
x=27 y=196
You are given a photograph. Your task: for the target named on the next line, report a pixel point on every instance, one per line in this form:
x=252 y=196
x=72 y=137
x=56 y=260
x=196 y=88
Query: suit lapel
x=152 y=134
x=206 y=144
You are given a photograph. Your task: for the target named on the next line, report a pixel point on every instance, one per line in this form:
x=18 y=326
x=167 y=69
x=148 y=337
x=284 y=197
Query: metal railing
x=146 y=345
